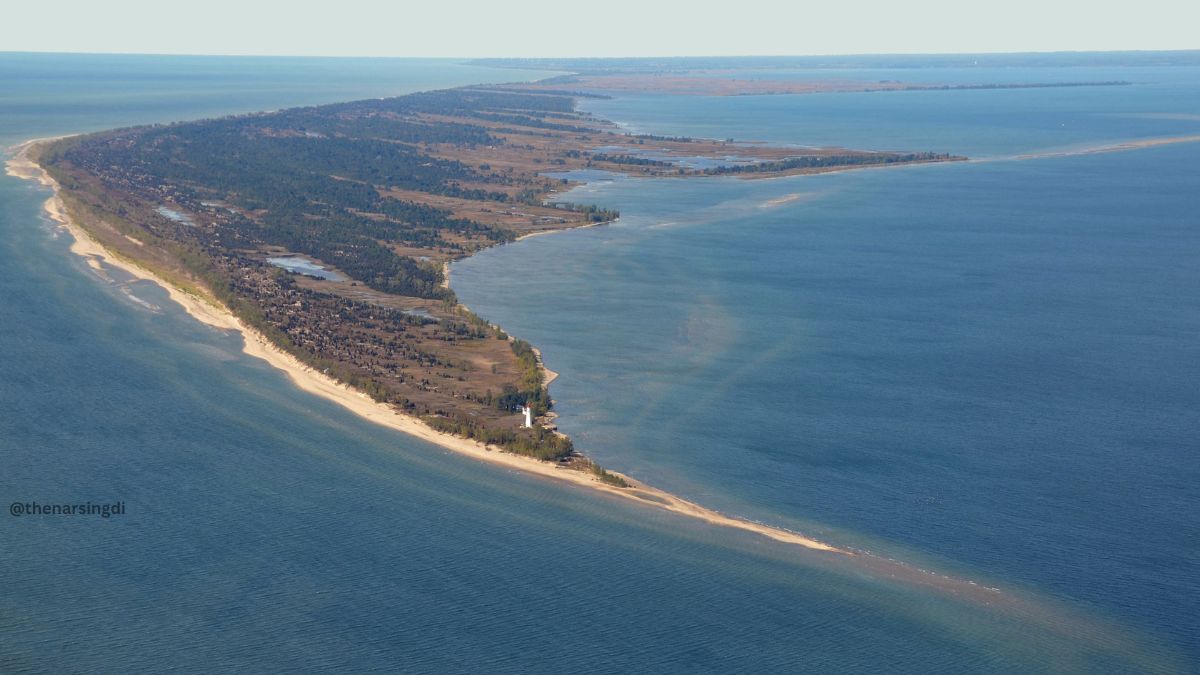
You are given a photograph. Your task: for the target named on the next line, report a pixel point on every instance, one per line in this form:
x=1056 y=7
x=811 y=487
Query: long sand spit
x=211 y=312
x=1049 y=616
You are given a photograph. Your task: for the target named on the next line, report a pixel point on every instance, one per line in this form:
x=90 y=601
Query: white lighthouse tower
x=528 y=416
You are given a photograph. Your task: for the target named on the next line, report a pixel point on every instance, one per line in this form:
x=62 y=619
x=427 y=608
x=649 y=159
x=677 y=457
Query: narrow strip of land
x=728 y=83
x=211 y=313
x=1123 y=146
x=328 y=230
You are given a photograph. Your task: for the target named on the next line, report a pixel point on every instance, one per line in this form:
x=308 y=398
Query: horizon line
x=612 y=58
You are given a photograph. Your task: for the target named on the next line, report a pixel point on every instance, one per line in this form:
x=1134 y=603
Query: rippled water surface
x=987 y=369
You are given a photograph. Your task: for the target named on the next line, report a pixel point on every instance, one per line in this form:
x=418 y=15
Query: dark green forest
x=312 y=180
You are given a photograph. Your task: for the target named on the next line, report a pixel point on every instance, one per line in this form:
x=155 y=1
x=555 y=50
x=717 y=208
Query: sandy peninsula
x=209 y=311
x=1112 y=147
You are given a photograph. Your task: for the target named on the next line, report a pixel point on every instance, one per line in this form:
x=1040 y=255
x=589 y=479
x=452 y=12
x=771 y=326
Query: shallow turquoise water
x=267 y=529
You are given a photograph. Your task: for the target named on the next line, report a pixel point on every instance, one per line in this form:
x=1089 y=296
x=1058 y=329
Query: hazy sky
x=596 y=27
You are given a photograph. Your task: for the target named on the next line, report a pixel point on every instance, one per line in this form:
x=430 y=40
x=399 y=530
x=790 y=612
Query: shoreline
x=211 y=313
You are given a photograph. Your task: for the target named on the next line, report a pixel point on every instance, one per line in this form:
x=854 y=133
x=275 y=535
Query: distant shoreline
x=725 y=83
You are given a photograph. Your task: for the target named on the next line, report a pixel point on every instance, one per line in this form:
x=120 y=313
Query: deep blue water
x=858 y=364
x=994 y=364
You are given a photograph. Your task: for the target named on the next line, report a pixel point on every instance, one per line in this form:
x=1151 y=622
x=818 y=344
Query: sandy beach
x=212 y=313
x=1115 y=147
x=540 y=233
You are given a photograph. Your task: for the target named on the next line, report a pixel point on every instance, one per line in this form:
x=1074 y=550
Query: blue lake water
x=987 y=369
